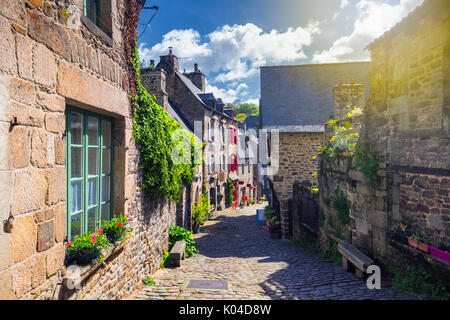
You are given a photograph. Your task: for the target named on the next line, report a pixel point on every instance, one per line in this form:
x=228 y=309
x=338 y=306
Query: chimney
x=346 y=97
x=198 y=78
x=169 y=63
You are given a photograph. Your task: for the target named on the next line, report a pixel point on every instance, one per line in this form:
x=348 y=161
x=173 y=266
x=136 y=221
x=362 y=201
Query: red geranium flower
x=68 y=244
x=119 y=224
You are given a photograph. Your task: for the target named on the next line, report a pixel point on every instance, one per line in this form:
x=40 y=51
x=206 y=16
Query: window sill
x=82 y=274
x=92 y=27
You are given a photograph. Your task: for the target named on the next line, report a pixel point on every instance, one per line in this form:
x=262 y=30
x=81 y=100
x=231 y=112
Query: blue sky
x=231 y=39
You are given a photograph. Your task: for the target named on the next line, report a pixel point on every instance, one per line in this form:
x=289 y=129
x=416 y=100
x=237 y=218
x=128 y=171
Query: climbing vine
x=343 y=145
x=167 y=151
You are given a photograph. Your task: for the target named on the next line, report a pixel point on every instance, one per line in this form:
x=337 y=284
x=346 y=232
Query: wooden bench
x=350 y=254
x=177 y=253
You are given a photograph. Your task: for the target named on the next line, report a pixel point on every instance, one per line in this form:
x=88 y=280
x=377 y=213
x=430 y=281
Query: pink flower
x=99 y=231
x=94 y=238
x=68 y=244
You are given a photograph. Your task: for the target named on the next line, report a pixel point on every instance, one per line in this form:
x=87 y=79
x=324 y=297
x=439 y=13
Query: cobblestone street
x=233 y=248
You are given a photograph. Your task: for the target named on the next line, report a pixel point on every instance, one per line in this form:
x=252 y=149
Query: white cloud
x=344 y=3
x=227 y=95
x=372 y=20
x=234 y=52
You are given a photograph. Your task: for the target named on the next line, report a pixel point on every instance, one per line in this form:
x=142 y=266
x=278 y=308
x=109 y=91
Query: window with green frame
x=89 y=163
x=91 y=8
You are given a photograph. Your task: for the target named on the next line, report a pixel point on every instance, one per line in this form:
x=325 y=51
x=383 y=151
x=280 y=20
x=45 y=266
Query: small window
x=89 y=163
x=99 y=12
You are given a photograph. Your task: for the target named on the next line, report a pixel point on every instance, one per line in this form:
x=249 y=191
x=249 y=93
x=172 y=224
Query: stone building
x=206 y=115
x=295 y=102
x=406 y=118
x=68 y=157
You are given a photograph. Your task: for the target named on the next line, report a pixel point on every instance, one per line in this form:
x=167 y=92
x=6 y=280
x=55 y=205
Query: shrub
x=200 y=210
x=149 y=281
x=340 y=204
x=165 y=261
x=177 y=233
x=269 y=212
x=230 y=192
x=117 y=229
x=87 y=247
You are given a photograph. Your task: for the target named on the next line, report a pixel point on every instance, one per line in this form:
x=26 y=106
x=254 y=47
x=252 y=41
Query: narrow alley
x=233 y=248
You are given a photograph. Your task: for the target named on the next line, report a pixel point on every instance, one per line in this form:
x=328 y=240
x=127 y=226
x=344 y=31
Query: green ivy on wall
x=158 y=138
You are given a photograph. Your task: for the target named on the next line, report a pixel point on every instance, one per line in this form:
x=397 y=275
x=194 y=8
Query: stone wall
x=51 y=57
x=406 y=119
x=346 y=97
x=296 y=164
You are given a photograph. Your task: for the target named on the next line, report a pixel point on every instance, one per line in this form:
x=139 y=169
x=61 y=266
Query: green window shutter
x=89 y=163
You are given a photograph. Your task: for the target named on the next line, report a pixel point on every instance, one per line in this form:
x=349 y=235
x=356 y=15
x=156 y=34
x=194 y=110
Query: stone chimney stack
x=154 y=80
x=169 y=63
x=345 y=95
x=198 y=78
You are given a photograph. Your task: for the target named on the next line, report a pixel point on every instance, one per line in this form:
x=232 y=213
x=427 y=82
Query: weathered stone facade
x=296 y=164
x=52 y=56
x=205 y=116
x=296 y=101
x=406 y=119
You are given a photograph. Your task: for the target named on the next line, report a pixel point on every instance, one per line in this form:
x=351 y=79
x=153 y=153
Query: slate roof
x=175 y=114
x=206 y=99
x=252 y=122
x=300 y=98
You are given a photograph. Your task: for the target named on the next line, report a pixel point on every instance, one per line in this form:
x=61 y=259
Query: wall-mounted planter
x=422 y=247
x=412 y=242
x=439 y=254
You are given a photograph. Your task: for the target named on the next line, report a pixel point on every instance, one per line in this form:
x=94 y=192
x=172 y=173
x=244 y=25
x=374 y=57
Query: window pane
x=106 y=133
x=106 y=161
x=105 y=211
x=76 y=162
x=75 y=196
x=105 y=188
x=75 y=225
x=92 y=191
x=76 y=127
x=92 y=131
x=93 y=161
x=92 y=219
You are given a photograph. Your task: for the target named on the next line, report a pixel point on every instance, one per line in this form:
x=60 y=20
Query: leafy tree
x=241 y=117
x=248 y=109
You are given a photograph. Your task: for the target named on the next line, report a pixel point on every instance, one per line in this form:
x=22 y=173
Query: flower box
x=422 y=247
x=439 y=254
x=412 y=242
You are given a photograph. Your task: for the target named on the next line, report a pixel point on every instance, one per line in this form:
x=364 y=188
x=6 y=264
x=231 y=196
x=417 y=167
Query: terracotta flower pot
x=412 y=242
x=422 y=247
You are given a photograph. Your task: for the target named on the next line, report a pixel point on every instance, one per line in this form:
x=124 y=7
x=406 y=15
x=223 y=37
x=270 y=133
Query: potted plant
x=275 y=228
x=86 y=248
x=412 y=240
x=117 y=230
x=269 y=212
x=399 y=234
x=199 y=212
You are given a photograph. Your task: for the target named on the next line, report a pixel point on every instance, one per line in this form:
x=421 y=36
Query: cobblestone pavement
x=233 y=248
